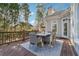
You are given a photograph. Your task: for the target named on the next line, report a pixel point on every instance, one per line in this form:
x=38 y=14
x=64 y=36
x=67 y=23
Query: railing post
x=7 y=37
x=23 y=35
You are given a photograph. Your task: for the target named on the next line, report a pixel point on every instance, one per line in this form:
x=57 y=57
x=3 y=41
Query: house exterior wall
x=68 y=25
x=49 y=24
x=75 y=22
x=59 y=26
x=75 y=26
x=59 y=21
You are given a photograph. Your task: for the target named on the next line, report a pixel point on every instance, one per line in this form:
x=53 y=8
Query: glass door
x=65 y=29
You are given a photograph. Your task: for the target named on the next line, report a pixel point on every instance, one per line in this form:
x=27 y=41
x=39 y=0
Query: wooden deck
x=14 y=49
x=67 y=48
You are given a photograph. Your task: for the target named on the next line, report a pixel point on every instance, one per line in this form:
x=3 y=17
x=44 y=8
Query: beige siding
x=59 y=20
x=59 y=26
x=49 y=26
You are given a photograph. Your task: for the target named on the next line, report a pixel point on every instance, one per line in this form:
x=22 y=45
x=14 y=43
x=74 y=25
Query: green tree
x=25 y=9
x=3 y=12
x=40 y=14
x=40 y=11
x=14 y=12
x=9 y=14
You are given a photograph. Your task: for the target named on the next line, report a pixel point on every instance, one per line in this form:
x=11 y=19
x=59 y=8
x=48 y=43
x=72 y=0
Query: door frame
x=53 y=23
x=63 y=22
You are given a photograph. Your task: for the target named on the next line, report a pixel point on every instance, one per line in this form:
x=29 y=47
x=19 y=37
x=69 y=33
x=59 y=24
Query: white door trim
x=56 y=26
x=66 y=21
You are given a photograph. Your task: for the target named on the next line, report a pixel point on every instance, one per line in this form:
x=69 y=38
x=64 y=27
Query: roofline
x=64 y=11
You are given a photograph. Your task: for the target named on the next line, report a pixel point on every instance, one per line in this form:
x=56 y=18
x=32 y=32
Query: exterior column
x=74 y=24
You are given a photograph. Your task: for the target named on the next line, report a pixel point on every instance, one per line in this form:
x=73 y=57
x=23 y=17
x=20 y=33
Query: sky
x=56 y=6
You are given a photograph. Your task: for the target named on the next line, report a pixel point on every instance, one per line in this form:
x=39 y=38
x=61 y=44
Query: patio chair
x=33 y=38
x=53 y=38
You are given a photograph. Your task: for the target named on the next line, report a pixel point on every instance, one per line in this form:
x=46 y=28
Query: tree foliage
x=9 y=15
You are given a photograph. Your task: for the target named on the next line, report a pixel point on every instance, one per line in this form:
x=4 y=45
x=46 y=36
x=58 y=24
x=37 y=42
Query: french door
x=65 y=29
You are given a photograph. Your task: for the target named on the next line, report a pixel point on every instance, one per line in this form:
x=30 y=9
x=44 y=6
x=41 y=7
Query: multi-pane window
x=65 y=29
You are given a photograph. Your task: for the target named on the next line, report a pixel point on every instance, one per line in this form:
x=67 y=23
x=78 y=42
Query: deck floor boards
x=14 y=49
x=66 y=49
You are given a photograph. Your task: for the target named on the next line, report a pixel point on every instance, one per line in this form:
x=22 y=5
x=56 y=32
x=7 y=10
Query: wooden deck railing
x=7 y=37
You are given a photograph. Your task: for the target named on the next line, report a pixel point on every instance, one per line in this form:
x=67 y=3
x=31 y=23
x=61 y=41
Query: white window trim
x=56 y=24
x=63 y=26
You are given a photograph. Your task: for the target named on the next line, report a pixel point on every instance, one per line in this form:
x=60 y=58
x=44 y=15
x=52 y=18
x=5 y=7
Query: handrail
x=7 y=37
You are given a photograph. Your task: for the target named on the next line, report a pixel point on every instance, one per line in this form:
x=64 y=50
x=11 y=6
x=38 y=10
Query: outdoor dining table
x=43 y=36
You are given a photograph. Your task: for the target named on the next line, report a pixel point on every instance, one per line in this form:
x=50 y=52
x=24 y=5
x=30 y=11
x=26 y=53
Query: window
x=54 y=27
x=65 y=29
